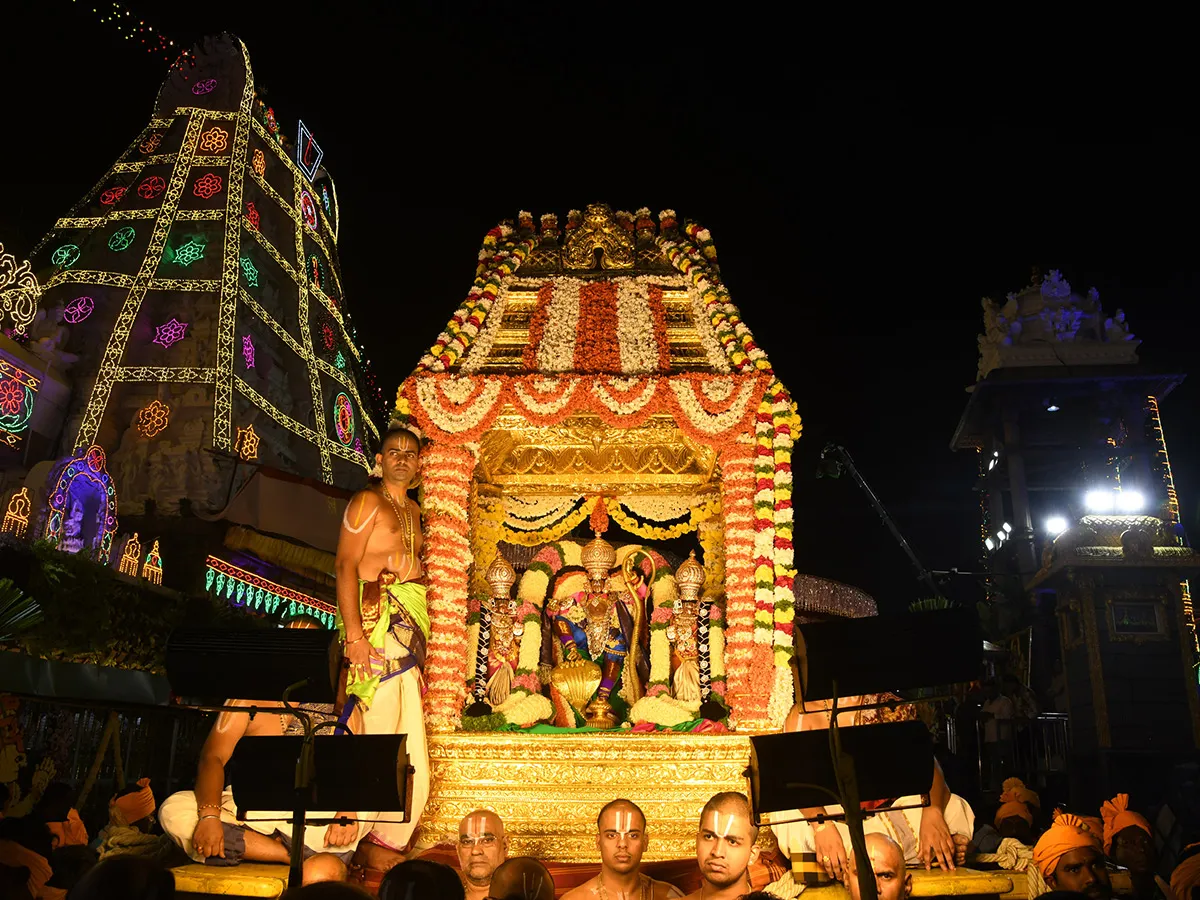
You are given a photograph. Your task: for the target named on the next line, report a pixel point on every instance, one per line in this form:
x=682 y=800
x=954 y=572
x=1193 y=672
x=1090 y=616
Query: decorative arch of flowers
x=747 y=415
x=89 y=465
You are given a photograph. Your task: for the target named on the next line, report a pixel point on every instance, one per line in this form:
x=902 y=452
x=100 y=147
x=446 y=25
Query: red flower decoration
x=152 y=187
x=252 y=215
x=12 y=395
x=208 y=186
x=112 y=195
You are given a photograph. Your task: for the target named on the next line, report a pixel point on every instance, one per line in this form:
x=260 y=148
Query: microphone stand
x=847 y=781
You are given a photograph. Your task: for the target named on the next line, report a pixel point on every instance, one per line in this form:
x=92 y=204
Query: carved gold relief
x=655 y=453
x=598 y=231
x=548 y=788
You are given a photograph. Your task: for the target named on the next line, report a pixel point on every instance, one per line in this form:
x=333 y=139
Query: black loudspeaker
x=359 y=773
x=795 y=771
x=887 y=653
x=254 y=663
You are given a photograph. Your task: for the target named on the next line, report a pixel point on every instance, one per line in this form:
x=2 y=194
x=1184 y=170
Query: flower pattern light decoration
x=170 y=334
x=65 y=256
x=204 y=87
x=252 y=215
x=215 y=140
x=112 y=195
x=249 y=272
x=246 y=445
x=248 y=351
x=188 y=253
x=151 y=187
x=343 y=419
x=121 y=239
x=259 y=163
x=12 y=397
x=208 y=185
x=308 y=210
x=150 y=144
x=153 y=419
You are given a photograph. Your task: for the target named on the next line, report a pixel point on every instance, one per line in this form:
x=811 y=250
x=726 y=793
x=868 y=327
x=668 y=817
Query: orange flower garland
x=446 y=472
x=537 y=325
x=597 y=348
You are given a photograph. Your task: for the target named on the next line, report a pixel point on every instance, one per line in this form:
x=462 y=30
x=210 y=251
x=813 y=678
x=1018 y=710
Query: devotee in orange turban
x=1015 y=787
x=1186 y=876
x=1014 y=818
x=1129 y=842
x=1070 y=859
x=1117 y=817
x=135 y=805
x=1087 y=823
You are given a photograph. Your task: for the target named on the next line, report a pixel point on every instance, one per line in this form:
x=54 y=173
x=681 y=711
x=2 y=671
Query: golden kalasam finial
x=690 y=577
x=601 y=231
x=501 y=576
x=598 y=557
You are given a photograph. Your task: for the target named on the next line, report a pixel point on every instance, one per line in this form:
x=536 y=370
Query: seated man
x=892 y=881
x=938 y=832
x=524 y=878
x=725 y=847
x=57 y=809
x=482 y=846
x=622 y=838
x=204 y=821
x=1070 y=859
x=1129 y=842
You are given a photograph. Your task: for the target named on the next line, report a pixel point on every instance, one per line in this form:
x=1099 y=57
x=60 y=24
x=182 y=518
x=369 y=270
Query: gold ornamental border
x=549 y=788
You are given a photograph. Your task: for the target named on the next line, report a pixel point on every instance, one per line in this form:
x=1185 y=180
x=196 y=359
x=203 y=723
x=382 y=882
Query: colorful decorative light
x=78 y=309
x=358 y=447
x=112 y=195
x=318 y=269
x=65 y=256
x=248 y=351
x=89 y=466
x=151 y=187
x=246 y=445
x=255 y=592
x=249 y=271
x=327 y=335
x=19 y=292
x=16 y=402
x=150 y=144
x=343 y=419
x=259 y=164
x=171 y=333
x=121 y=239
x=215 y=140
x=252 y=215
x=308 y=210
x=199 y=89
x=189 y=252
x=339 y=360
x=208 y=186
x=130 y=556
x=16 y=516
x=152 y=568
x=308 y=152
x=325 y=198
x=152 y=419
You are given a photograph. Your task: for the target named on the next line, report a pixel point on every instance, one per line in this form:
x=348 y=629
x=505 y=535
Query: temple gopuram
x=601 y=374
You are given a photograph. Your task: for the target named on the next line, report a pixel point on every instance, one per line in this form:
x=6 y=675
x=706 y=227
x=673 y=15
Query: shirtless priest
x=725 y=847
x=621 y=839
x=382 y=614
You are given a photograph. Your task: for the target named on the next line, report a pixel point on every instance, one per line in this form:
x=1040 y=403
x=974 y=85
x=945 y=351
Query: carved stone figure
x=48 y=337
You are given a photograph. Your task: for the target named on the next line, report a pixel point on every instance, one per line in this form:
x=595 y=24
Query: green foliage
x=92 y=614
x=17 y=611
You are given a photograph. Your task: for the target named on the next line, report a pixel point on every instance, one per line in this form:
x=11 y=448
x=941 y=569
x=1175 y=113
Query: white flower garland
x=531 y=508
x=525 y=709
x=707 y=422
x=549 y=407
x=717 y=358
x=429 y=394
x=717 y=389
x=639 y=401
x=658 y=507
x=636 y=339
x=664 y=710
x=556 y=351
x=458 y=388
x=782 y=697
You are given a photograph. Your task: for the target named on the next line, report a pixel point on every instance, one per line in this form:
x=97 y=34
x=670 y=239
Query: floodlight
x=1001 y=535
x=1052 y=405
x=1056 y=525
x=996 y=454
x=1007 y=528
x=1130 y=501
x=991 y=464
x=989 y=543
x=1099 y=501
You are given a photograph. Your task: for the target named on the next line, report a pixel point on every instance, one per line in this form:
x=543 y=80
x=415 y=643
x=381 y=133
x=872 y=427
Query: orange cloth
x=1089 y=823
x=1117 y=817
x=70 y=833
x=13 y=854
x=137 y=805
x=1015 y=787
x=1013 y=808
x=1066 y=834
x=1186 y=875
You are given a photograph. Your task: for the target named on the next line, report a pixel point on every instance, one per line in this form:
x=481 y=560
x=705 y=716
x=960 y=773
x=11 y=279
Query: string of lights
x=135 y=29
x=252 y=591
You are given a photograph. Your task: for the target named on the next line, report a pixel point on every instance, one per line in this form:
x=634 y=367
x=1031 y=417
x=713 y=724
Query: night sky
x=857 y=223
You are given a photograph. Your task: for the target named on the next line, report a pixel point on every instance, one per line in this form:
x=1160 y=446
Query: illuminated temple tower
x=1081 y=524
x=192 y=301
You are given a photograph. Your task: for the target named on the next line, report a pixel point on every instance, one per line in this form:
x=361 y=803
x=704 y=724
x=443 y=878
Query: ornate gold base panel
x=549 y=788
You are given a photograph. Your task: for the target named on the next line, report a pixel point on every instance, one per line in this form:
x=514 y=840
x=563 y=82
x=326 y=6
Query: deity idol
x=598 y=634
x=683 y=632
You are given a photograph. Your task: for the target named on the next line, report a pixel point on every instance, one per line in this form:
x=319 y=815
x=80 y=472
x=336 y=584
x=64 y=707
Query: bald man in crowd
x=892 y=880
x=622 y=838
x=522 y=878
x=725 y=847
x=482 y=847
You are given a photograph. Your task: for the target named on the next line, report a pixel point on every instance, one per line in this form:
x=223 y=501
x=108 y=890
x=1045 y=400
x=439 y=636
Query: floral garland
x=537 y=513
x=552 y=532
x=659 y=507
x=650 y=532
x=487 y=531
x=477 y=353
x=498 y=258
x=641 y=327
x=446 y=474
x=764 y=524
x=732 y=333
x=786 y=423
